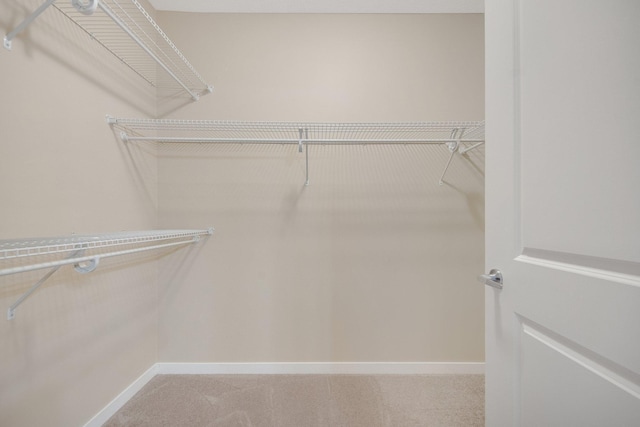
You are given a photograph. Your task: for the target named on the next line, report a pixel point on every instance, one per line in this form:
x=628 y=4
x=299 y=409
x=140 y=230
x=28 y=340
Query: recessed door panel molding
x=602 y=268
x=571 y=80
x=566 y=369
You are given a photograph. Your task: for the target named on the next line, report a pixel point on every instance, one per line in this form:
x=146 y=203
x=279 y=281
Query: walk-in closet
x=263 y=197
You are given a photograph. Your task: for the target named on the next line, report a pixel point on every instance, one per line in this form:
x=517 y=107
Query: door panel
x=560 y=377
x=563 y=212
x=579 y=109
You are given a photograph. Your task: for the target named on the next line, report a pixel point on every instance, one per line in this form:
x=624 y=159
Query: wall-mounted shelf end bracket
x=112 y=121
x=195 y=96
x=466 y=150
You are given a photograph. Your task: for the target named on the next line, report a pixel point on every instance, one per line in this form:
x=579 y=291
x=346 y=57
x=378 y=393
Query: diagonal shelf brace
x=25 y=23
x=456 y=136
x=474 y=146
x=83 y=8
x=11 y=313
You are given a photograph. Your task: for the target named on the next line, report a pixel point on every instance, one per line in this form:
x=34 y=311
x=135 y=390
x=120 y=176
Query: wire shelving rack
x=458 y=137
x=128 y=31
x=84 y=252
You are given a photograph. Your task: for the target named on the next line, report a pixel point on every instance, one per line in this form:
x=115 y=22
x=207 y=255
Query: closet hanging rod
x=131 y=21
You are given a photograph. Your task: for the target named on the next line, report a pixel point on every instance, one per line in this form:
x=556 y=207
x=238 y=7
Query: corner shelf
x=125 y=29
x=73 y=250
x=458 y=137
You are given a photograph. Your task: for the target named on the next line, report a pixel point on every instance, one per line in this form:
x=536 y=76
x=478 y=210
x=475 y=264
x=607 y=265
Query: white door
x=563 y=212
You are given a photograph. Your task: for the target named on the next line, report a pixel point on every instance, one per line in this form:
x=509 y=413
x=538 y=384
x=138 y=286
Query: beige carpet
x=306 y=400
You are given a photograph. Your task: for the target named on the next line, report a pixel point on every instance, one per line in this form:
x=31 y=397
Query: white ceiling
x=321 y=6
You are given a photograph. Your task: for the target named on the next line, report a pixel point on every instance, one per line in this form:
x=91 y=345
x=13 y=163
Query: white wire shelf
x=10 y=249
x=126 y=29
x=212 y=131
x=83 y=251
x=458 y=137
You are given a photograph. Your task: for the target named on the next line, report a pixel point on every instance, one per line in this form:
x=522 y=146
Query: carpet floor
x=306 y=401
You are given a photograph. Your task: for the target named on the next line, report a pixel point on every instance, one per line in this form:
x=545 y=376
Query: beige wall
x=81 y=339
x=374 y=261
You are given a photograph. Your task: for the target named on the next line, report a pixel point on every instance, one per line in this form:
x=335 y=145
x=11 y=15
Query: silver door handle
x=494 y=278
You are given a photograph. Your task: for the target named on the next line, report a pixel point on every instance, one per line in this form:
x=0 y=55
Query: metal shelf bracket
x=453 y=146
x=474 y=146
x=11 y=313
x=86 y=9
x=303 y=140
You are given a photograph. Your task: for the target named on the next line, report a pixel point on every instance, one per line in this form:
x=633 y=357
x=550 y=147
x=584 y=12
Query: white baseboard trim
x=344 y=368
x=103 y=416
x=348 y=368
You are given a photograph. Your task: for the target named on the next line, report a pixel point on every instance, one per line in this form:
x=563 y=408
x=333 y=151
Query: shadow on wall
x=171 y=100
x=140 y=159
x=348 y=268
x=72 y=321
x=473 y=163
x=356 y=190
x=177 y=265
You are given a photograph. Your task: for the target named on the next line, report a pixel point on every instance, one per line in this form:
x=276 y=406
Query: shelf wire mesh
x=169 y=130
x=104 y=30
x=23 y=248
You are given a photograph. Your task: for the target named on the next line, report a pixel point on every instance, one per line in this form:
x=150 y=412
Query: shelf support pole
x=303 y=136
x=306 y=153
x=24 y=24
